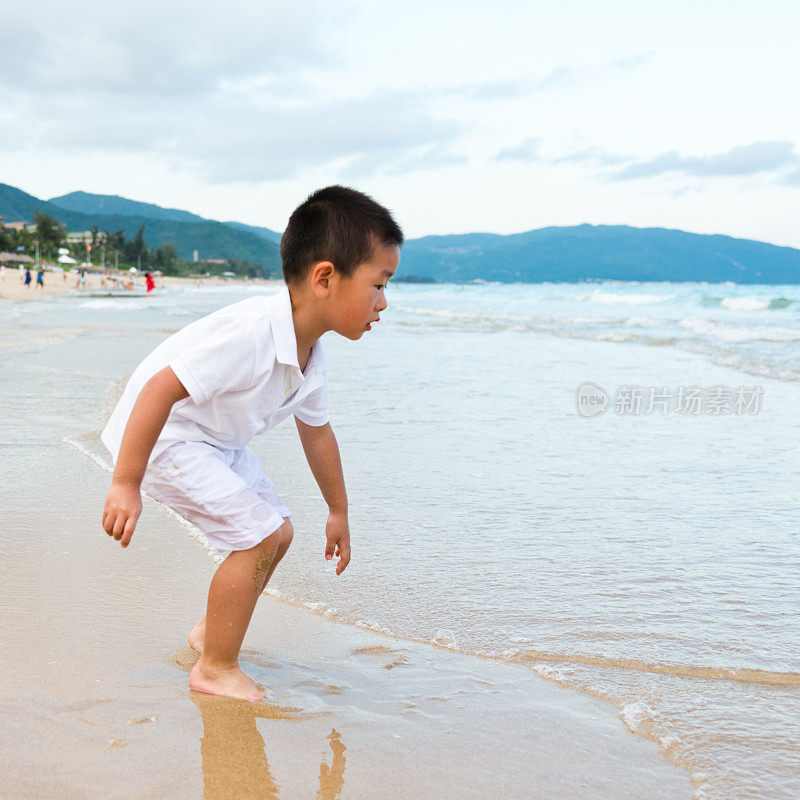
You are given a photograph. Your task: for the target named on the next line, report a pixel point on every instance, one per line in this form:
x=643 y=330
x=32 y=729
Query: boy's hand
x=337 y=533
x=122 y=510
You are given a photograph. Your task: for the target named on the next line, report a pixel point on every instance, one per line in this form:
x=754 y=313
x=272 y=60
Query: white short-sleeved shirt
x=239 y=366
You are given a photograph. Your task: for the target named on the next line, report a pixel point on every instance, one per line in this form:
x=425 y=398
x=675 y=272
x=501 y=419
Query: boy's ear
x=321 y=276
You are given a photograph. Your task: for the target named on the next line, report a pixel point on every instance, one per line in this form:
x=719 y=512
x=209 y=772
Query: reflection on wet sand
x=234 y=756
x=331 y=779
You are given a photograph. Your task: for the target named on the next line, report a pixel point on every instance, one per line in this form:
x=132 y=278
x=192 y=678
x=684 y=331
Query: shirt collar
x=283 y=336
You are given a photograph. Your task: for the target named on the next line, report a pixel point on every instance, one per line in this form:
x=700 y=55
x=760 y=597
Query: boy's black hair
x=335 y=224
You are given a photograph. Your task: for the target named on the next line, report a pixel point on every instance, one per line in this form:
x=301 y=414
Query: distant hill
x=114 y=205
x=211 y=239
x=602 y=252
x=582 y=252
x=264 y=233
x=18 y=206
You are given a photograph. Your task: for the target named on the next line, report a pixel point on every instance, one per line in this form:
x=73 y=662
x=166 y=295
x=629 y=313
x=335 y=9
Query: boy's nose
x=381 y=304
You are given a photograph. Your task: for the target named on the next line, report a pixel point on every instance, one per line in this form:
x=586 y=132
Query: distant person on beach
x=21 y=274
x=28 y=277
x=149 y=282
x=3 y=272
x=181 y=429
x=40 y=279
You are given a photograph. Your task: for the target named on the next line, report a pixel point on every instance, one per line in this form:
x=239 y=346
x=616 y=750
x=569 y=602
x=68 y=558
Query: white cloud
x=230 y=92
x=527 y=150
x=748 y=159
x=743 y=160
x=161 y=49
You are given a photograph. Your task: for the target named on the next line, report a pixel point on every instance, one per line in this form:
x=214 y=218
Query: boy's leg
x=197 y=636
x=287 y=532
x=234 y=590
x=225 y=494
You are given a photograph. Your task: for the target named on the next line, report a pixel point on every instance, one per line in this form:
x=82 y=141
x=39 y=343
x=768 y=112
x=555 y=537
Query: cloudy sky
x=501 y=116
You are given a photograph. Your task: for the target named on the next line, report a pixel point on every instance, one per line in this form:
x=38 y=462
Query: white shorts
x=222 y=492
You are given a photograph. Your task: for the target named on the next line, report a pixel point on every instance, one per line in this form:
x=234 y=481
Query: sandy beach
x=96 y=684
x=12 y=288
x=95 y=699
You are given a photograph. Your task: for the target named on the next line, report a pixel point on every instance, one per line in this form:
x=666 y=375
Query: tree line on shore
x=101 y=247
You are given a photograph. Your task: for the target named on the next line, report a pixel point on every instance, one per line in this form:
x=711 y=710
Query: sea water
x=644 y=550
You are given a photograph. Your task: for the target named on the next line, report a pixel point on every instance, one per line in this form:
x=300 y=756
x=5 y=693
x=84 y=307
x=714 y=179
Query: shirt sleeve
x=224 y=361
x=314 y=408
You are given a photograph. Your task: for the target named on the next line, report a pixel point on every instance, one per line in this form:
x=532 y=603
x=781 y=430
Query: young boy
x=180 y=430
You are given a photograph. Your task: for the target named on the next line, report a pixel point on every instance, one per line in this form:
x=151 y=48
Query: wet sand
x=95 y=699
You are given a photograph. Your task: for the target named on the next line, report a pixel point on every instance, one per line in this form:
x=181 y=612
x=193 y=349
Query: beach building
x=82 y=237
x=9 y=259
x=16 y=226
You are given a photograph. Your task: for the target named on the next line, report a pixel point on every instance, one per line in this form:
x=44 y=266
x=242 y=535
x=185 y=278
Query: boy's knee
x=279 y=539
x=286 y=533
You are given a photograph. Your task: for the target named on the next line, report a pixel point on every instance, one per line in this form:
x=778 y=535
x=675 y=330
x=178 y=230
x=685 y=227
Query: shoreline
x=117 y=697
x=96 y=690
x=11 y=288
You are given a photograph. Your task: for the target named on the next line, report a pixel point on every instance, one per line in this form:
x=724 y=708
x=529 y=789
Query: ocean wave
x=728 y=333
x=637 y=714
x=744 y=303
x=742 y=362
x=125 y=304
x=644 y=322
x=612 y=298
x=780 y=302
x=739 y=674
x=747 y=303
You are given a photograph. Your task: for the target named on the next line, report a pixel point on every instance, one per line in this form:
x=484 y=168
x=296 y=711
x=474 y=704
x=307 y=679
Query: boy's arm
x=148 y=417
x=322 y=454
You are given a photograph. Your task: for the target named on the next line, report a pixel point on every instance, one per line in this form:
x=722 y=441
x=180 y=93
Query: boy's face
x=359 y=299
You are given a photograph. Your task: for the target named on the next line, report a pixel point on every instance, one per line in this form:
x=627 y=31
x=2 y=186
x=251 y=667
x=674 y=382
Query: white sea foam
x=612 y=337
x=126 y=304
x=612 y=298
x=80 y=447
x=635 y=715
x=744 y=303
x=729 y=333
x=589 y=320
x=643 y=322
x=444 y=638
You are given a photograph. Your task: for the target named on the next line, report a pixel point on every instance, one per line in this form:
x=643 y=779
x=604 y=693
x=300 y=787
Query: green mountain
x=211 y=239
x=114 y=205
x=18 y=206
x=264 y=233
x=602 y=252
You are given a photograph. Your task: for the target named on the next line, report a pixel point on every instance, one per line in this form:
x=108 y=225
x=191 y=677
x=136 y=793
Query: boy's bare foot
x=197 y=636
x=230 y=682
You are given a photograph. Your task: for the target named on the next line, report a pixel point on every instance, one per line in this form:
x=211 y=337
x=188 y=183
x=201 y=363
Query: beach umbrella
x=65 y=259
x=133 y=269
